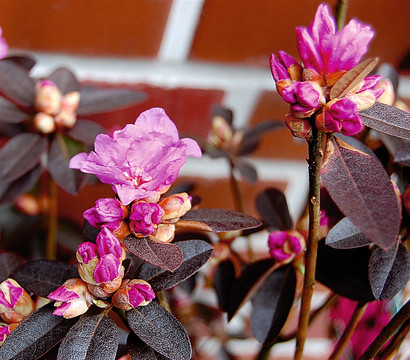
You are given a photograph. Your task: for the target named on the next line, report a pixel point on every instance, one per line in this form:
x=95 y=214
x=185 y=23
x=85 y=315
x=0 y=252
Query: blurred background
x=188 y=56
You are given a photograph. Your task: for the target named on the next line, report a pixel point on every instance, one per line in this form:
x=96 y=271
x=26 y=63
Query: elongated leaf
x=352 y=78
x=85 y=131
x=16 y=84
x=247 y=171
x=95 y=101
x=160 y=330
x=8 y=262
x=344 y=235
x=345 y=271
x=224 y=279
x=10 y=191
x=272 y=304
x=139 y=350
x=250 y=281
x=389 y=271
x=195 y=253
x=402 y=156
x=163 y=255
x=43 y=276
x=59 y=157
x=94 y=337
x=21 y=154
x=272 y=206
x=25 y=61
x=65 y=80
x=37 y=334
x=362 y=190
x=387 y=119
x=10 y=113
x=217 y=220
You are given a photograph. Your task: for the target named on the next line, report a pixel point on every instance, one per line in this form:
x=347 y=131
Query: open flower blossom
x=326 y=55
x=15 y=303
x=133 y=293
x=285 y=245
x=71 y=299
x=140 y=161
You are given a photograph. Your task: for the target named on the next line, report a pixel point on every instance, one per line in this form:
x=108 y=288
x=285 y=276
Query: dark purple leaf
x=85 y=131
x=10 y=113
x=16 y=84
x=357 y=144
x=160 y=330
x=252 y=136
x=94 y=337
x=402 y=157
x=222 y=112
x=349 y=80
x=43 y=276
x=195 y=252
x=387 y=119
x=224 y=279
x=138 y=350
x=90 y=233
x=272 y=304
x=273 y=208
x=163 y=255
x=344 y=235
x=389 y=271
x=65 y=80
x=8 y=262
x=36 y=335
x=250 y=281
x=25 y=61
x=247 y=171
x=362 y=190
x=345 y=271
x=95 y=101
x=217 y=220
x=59 y=157
x=20 y=154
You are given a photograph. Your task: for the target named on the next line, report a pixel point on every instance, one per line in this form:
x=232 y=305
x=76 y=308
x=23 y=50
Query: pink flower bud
x=15 y=303
x=72 y=298
x=87 y=251
x=175 y=206
x=44 y=123
x=107 y=243
x=108 y=275
x=221 y=133
x=285 y=245
x=105 y=212
x=48 y=97
x=340 y=115
x=5 y=330
x=165 y=232
x=300 y=128
x=145 y=217
x=66 y=119
x=71 y=101
x=133 y=293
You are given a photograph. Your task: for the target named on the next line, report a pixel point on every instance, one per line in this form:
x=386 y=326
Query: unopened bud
x=66 y=118
x=165 y=232
x=15 y=303
x=221 y=132
x=28 y=205
x=44 y=123
x=145 y=217
x=71 y=101
x=175 y=206
x=300 y=128
x=133 y=293
x=5 y=330
x=47 y=98
x=285 y=245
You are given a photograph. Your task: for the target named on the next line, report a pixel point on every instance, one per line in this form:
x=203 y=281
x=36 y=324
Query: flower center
x=138 y=179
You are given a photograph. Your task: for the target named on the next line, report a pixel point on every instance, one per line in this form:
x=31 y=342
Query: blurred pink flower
x=4 y=48
x=140 y=161
x=285 y=245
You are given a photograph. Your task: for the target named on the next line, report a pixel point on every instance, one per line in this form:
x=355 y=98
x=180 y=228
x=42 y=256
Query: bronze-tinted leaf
x=272 y=304
x=10 y=113
x=138 y=350
x=402 y=156
x=26 y=61
x=163 y=255
x=160 y=330
x=85 y=131
x=362 y=190
x=344 y=235
x=352 y=78
x=95 y=101
x=65 y=80
x=387 y=119
x=16 y=84
x=8 y=262
x=195 y=253
x=272 y=206
x=43 y=276
x=389 y=271
x=217 y=220
x=36 y=335
x=246 y=170
x=345 y=271
x=224 y=278
x=59 y=157
x=94 y=337
x=21 y=154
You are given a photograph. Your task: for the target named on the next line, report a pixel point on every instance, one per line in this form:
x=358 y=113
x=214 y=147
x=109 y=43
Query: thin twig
x=396 y=342
x=341 y=13
x=348 y=332
x=52 y=220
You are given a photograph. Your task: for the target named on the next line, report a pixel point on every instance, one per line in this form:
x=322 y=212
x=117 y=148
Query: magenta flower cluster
x=326 y=55
x=141 y=162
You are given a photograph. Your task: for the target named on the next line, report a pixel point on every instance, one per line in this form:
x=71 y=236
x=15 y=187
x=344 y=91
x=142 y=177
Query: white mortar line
x=180 y=30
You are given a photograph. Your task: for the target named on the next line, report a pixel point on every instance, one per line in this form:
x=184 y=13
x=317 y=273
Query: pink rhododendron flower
x=285 y=245
x=71 y=299
x=145 y=217
x=140 y=161
x=133 y=293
